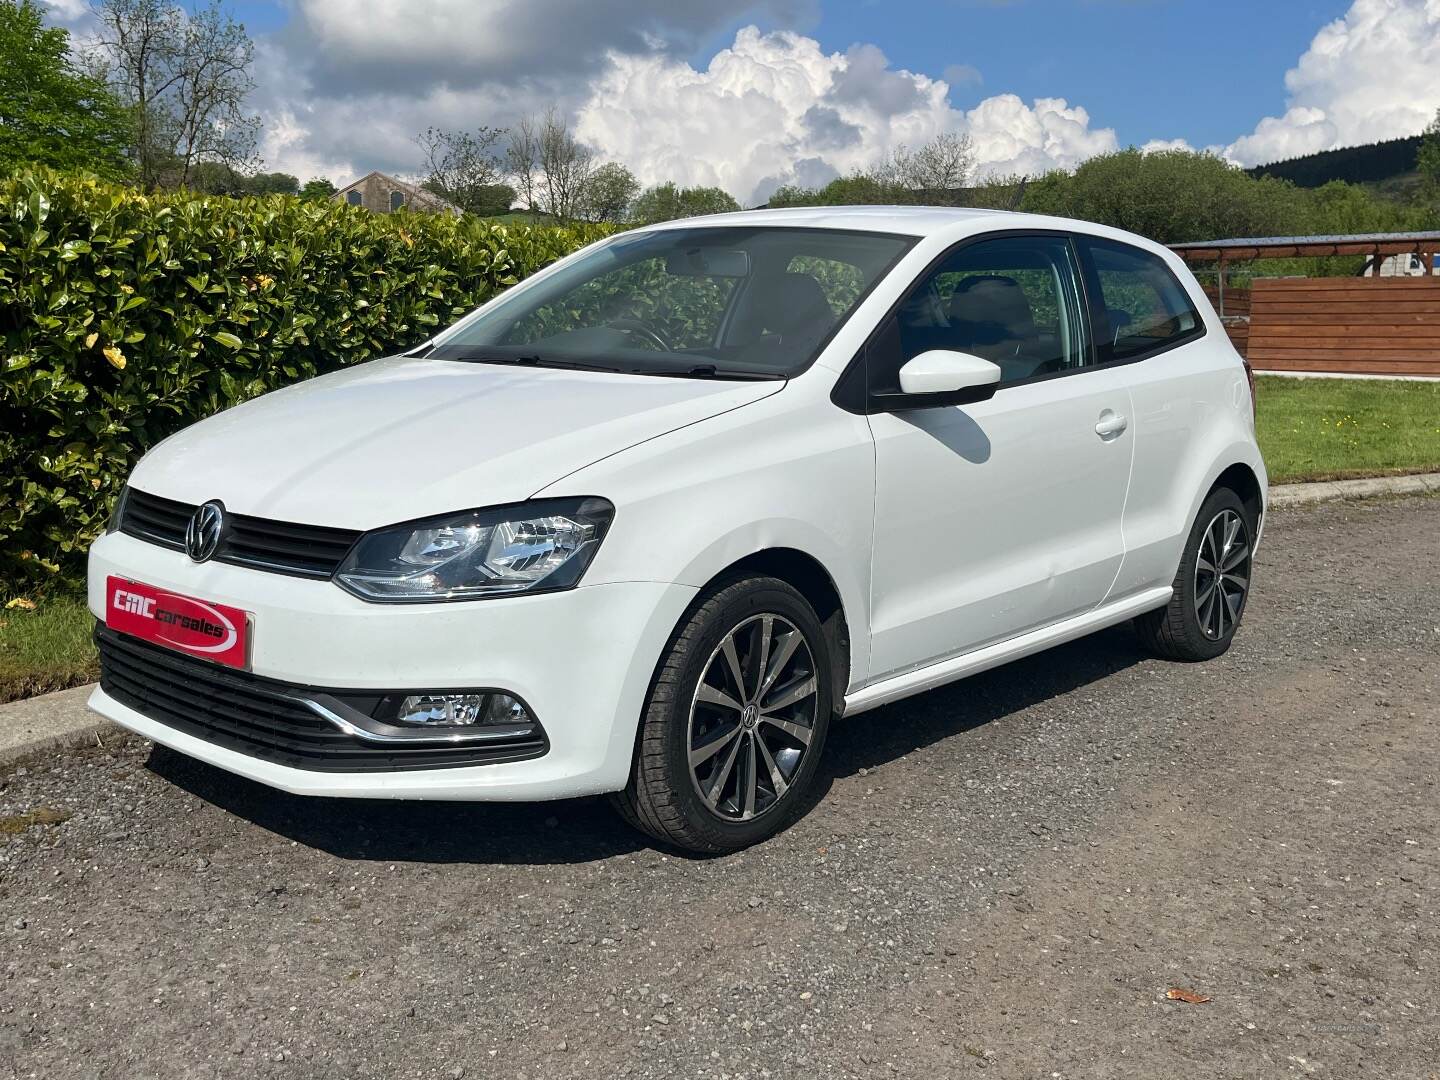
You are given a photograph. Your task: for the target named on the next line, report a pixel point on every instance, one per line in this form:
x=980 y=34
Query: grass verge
x=1339 y=429
x=47 y=648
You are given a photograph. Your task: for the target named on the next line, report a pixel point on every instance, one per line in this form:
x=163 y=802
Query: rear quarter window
x=1142 y=308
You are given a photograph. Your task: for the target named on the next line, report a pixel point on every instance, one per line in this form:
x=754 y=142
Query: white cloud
x=346 y=85
x=1372 y=74
x=1012 y=137
x=69 y=11
x=1155 y=146
x=775 y=108
x=962 y=75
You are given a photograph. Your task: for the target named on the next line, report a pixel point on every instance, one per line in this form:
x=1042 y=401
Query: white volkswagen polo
x=648 y=521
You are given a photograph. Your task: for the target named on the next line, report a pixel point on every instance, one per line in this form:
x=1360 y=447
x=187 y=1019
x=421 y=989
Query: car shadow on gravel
x=882 y=735
x=572 y=831
x=584 y=830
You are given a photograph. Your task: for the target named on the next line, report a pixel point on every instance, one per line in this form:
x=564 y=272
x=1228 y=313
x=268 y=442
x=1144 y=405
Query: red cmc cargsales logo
x=198 y=627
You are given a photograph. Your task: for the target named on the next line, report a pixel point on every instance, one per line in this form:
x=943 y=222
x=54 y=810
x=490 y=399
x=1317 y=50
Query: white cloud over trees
x=1372 y=74
x=774 y=109
x=345 y=86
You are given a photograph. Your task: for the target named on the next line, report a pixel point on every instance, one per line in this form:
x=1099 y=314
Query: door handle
x=1110 y=424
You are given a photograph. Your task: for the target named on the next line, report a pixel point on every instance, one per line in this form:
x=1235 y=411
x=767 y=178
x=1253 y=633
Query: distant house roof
x=416 y=197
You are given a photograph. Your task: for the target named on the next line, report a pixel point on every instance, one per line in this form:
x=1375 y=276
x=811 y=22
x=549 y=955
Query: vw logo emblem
x=202 y=535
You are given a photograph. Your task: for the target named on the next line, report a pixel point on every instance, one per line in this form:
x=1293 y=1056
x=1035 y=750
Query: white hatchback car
x=646 y=522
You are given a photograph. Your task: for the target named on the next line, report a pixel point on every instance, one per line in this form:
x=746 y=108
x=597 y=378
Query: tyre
x=1210 y=587
x=735 y=721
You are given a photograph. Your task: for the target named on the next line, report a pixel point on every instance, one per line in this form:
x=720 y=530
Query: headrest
x=995 y=299
x=789 y=303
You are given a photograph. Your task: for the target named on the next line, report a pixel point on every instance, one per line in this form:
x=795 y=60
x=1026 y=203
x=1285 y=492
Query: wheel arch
x=1241 y=479
x=809 y=577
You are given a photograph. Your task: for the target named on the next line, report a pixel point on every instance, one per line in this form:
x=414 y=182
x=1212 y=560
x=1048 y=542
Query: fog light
x=461 y=710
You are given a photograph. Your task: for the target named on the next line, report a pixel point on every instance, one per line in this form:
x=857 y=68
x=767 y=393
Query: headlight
x=533 y=547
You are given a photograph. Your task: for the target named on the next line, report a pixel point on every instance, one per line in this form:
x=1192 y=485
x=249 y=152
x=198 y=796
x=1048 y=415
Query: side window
x=397 y=200
x=353 y=198
x=1140 y=300
x=1014 y=300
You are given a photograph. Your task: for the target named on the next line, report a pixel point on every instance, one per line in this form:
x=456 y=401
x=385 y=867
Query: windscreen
x=716 y=302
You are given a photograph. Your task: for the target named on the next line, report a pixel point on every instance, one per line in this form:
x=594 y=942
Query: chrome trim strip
x=355 y=723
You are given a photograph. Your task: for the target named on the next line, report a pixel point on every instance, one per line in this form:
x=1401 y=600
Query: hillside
x=1385 y=164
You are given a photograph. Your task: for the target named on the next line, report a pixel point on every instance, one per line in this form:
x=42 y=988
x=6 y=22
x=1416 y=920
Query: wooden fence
x=1348 y=326
x=1236 y=314
x=1237 y=301
x=1345 y=326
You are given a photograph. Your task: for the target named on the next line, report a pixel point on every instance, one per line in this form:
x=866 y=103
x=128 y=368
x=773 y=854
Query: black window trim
x=1100 y=316
x=852 y=392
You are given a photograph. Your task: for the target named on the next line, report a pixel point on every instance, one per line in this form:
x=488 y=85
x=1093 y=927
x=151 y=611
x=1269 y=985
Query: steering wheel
x=635 y=326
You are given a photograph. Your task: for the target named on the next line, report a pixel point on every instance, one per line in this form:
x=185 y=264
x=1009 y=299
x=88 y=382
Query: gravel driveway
x=1005 y=876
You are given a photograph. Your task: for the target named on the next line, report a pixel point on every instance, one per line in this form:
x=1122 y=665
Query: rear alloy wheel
x=736 y=721
x=1211 y=585
x=1222 y=575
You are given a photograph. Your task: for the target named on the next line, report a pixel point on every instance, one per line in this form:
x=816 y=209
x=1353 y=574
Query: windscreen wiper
x=710 y=371
x=535 y=361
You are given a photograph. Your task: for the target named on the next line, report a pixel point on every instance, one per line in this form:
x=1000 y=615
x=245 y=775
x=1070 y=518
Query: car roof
x=909 y=220
x=919 y=221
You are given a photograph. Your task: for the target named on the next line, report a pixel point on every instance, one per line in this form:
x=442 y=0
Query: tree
x=1170 y=196
x=273 y=183
x=551 y=168
x=611 y=190
x=318 y=189
x=937 y=168
x=465 y=168
x=218 y=178
x=51 y=113
x=1428 y=159
x=489 y=200
x=666 y=202
x=935 y=172
x=185 y=78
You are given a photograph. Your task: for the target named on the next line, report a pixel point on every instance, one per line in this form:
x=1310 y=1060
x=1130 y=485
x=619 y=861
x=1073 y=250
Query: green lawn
x=1310 y=429
x=45 y=649
x=1332 y=429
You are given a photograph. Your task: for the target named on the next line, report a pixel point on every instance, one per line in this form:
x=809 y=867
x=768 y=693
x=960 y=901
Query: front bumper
x=581 y=659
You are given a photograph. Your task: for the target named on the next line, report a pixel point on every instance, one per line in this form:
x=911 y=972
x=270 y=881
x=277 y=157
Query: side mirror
x=942 y=377
x=941 y=371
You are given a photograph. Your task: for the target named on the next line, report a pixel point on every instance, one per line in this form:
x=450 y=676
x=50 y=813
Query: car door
x=1181 y=380
x=999 y=517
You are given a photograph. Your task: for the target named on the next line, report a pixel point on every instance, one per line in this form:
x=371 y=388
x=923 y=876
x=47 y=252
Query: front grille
x=281 y=547
x=260 y=717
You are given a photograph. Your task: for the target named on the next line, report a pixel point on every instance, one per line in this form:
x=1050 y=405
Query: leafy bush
x=124 y=317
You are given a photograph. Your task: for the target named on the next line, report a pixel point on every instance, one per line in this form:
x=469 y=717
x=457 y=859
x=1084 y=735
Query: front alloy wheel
x=735 y=722
x=752 y=717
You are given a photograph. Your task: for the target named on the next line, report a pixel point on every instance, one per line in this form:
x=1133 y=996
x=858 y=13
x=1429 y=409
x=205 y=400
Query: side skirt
x=1002 y=652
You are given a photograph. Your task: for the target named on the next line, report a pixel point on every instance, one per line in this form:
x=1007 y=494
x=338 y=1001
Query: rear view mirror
x=708 y=262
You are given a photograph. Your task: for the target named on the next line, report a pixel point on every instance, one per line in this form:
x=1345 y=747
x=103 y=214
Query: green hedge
x=125 y=317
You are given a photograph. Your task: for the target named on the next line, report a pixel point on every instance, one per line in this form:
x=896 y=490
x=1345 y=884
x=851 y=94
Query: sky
x=751 y=94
